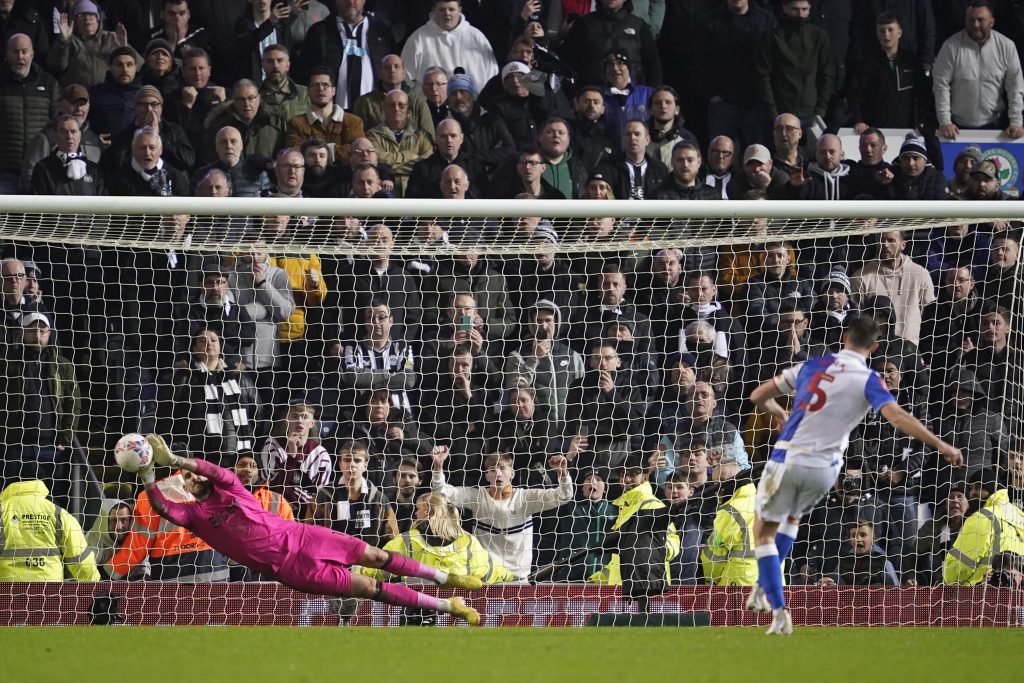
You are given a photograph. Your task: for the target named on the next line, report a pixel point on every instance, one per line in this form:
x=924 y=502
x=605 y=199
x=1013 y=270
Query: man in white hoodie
x=447 y=40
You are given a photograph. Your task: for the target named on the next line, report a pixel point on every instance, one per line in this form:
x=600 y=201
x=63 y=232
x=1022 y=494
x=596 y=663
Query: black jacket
x=929 y=185
x=246 y=56
x=724 y=50
x=523 y=116
x=50 y=177
x=194 y=395
x=112 y=105
x=487 y=137
x=126 y=182
x=593 y=36
x=26 y=106
x=591 y=143
x=890 y=95
x=617 y=174
x=322 y=46
x=178 y=151
x=795 y=72
x=670 y=189
x=425 y=179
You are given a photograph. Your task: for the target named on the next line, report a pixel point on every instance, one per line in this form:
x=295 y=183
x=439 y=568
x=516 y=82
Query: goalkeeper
x=307 y=558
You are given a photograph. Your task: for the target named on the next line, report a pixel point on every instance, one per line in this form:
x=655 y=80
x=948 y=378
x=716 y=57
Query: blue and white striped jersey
x=832 y=395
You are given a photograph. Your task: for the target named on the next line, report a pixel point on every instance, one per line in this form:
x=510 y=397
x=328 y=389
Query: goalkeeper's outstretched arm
x=162 y=455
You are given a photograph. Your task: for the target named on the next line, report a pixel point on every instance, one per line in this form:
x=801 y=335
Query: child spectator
x=503 y=514
x=862 y=562
x=354 y=505
x=295 y=461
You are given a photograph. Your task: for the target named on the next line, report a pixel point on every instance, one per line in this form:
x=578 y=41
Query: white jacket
x=505 y=527
x=465 y=46
x=973 y=84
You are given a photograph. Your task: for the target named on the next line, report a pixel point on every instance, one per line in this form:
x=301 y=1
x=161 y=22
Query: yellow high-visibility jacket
x=998 y=527
x=728 y=558
x=38 y=539
x=629 y=503
x=464 y=557
x=305 y=298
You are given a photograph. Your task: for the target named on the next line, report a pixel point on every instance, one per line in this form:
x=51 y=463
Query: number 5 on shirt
x=816 y=399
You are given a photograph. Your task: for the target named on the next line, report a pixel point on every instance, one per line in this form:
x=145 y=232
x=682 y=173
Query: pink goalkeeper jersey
x=233 y=522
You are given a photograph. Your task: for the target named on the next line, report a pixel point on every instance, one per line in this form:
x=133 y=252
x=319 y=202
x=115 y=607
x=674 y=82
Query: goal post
x=325 y=342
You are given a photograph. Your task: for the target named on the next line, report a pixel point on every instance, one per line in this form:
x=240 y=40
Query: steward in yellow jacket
x=645 y=539
x=996 y=528
x=728 y=558
x=38 y=539
x=463 y=555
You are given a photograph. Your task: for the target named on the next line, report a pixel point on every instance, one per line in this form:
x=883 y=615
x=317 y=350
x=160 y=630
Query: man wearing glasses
x=391 y=75
x=260 y=133
x=324 y=120
x=15 y=303
x=149 y=112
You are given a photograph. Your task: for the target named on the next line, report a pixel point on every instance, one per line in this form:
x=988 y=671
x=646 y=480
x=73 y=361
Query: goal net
x=554 y=396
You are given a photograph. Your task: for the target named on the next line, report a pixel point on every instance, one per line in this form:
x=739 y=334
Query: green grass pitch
x=455 y=655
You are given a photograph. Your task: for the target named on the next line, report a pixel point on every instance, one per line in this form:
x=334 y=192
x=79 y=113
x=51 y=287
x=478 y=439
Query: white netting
x=404 y=329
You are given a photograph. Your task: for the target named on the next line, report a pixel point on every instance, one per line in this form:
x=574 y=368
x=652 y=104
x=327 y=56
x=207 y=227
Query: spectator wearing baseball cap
x=966 y=159
x=760 y=173
x=624 y=99
x=42 y=406
x=82 y=48
x=912 y=177
x=524 y=103
x=74 y=100
x=983 y=182
x=112 y=102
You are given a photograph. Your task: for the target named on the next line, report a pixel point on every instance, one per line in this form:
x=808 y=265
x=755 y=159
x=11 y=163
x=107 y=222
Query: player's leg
x=775 y=499
x=785 y=537
x=398 y=594
x=400 y=565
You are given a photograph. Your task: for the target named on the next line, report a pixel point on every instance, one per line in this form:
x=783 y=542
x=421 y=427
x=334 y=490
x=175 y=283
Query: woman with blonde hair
x=438 y=540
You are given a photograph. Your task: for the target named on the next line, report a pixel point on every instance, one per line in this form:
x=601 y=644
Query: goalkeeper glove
x=148 y=475
x=161 y=453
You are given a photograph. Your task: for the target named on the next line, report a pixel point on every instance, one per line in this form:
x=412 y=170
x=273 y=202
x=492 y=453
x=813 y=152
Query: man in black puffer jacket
x=28 y=98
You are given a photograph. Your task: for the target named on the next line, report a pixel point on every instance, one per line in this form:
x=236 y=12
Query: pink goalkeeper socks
x=406 y=566
x=397 y=594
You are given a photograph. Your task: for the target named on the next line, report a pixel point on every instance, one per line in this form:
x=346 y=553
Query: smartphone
x=464 y=323
x=535 y=16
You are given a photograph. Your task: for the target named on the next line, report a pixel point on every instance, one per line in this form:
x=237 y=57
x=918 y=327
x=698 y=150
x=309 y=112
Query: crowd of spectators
x=633 y=364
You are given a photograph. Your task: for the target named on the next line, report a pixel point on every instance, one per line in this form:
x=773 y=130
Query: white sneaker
x=782 y=624
x=757 y=601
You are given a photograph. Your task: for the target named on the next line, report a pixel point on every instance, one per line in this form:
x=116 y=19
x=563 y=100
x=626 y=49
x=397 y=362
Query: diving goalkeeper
x=307 y=558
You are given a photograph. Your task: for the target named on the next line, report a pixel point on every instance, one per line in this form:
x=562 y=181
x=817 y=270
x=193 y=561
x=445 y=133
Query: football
x=133 y=452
